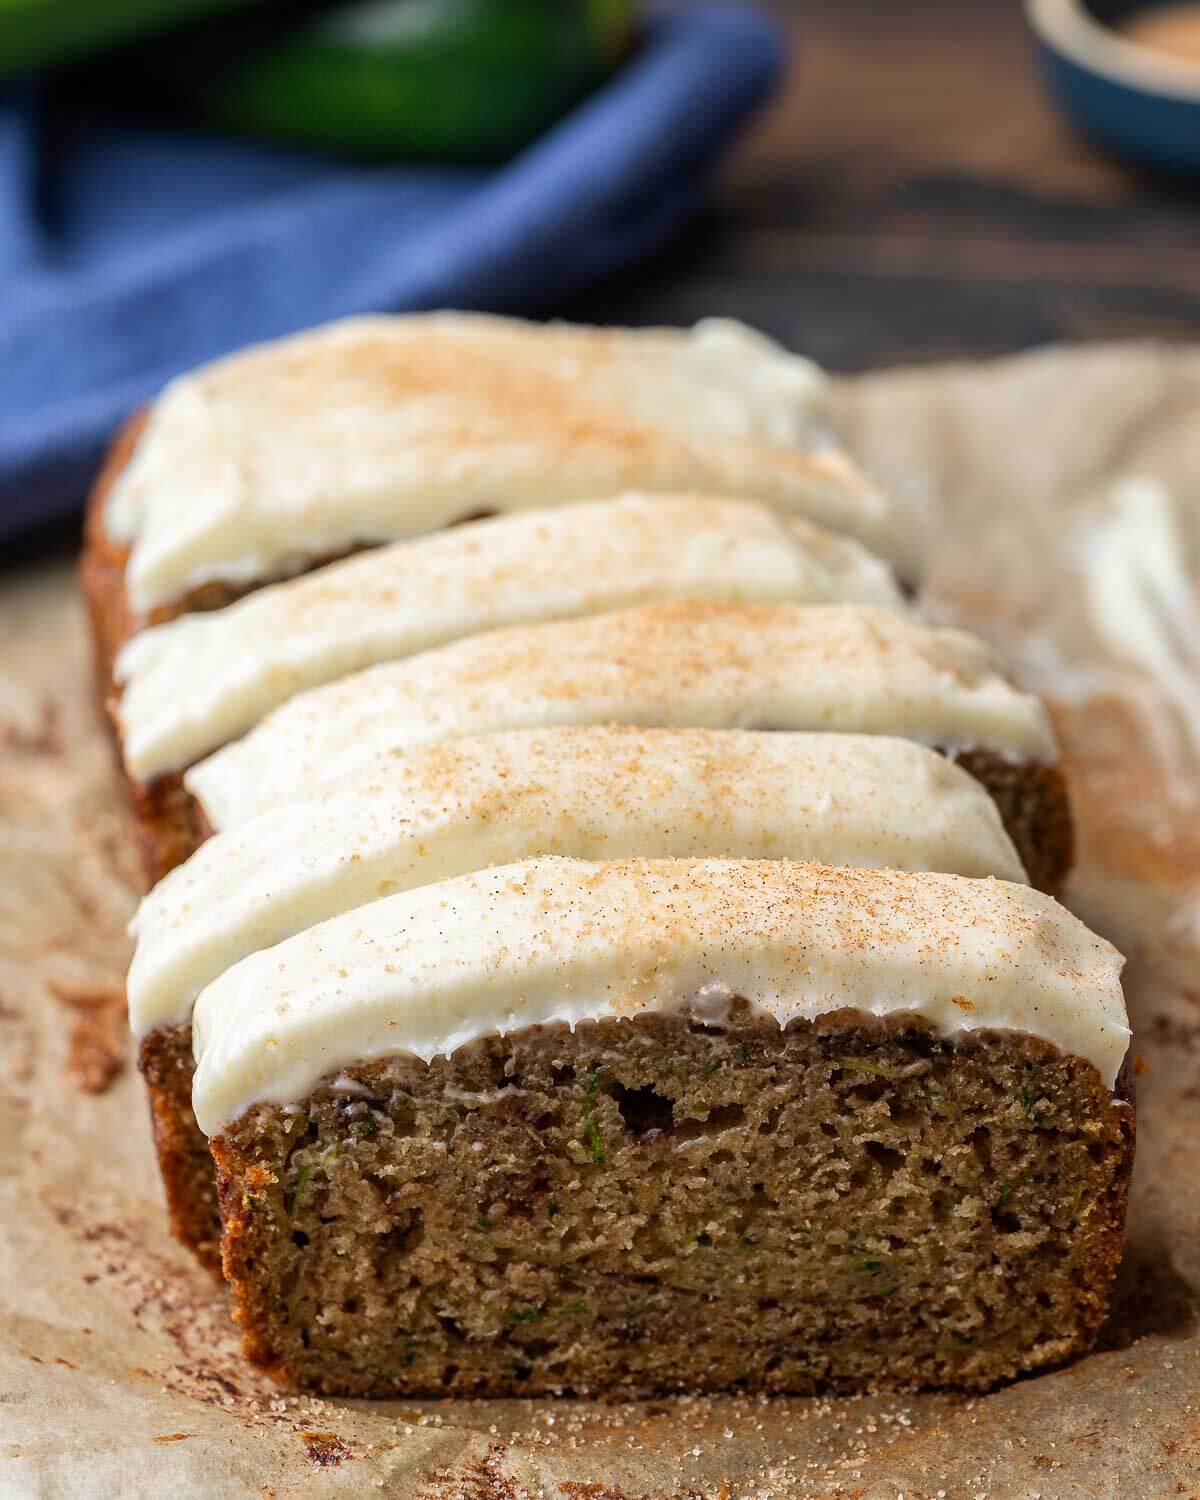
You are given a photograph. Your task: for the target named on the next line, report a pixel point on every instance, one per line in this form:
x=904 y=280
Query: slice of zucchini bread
x=846 y=668
x=192 y=684
x=592 y=792
x=371 y=429
x=650 y=1125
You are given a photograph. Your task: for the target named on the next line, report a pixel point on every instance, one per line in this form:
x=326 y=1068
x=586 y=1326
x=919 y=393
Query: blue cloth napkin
x=128 y=255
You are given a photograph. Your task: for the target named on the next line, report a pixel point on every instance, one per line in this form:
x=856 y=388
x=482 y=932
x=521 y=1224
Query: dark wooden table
x=913 y=195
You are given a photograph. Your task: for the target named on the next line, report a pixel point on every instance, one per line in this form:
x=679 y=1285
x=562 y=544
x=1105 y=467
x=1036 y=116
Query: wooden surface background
x=913 y=194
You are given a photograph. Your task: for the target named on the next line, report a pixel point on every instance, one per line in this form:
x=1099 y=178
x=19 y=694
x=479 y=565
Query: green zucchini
x=444 y=79
x=39 y=33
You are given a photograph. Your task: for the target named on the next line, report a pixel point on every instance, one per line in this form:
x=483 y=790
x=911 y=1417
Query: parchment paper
x=119 y=1369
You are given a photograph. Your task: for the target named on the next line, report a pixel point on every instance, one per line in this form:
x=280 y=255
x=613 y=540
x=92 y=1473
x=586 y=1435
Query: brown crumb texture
x=648 y=1205
x=165 y=1060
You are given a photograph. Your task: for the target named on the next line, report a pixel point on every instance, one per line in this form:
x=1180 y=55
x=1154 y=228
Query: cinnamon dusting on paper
x=98 y=1044
x=97 y=1049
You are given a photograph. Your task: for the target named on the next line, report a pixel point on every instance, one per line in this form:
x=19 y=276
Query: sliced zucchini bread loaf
x=602 y=950
x=638 y=1126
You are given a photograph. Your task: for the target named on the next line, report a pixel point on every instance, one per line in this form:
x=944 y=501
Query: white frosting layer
x=595 y=793
x=199 y=681
x=848 y=668
x=378 y=428
x=555 y=940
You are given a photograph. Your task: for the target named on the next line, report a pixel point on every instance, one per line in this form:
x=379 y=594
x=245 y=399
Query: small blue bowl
x=1140 y=102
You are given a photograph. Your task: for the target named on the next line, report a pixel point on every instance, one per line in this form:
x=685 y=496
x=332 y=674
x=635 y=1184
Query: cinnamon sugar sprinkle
x=849 y=668
x=564 y=941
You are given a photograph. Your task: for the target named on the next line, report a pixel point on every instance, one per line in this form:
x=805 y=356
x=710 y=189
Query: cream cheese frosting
x=842 y=667
x=594 y=793
x=376 y=428
x=203 y=679
x=566 y=941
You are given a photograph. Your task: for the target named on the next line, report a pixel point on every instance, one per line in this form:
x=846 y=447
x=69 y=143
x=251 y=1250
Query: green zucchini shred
x=298 y=1189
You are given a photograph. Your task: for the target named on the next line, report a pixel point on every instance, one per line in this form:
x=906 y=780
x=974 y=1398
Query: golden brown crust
x=169 y=823
x=166 y=1063
x=102 y=564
